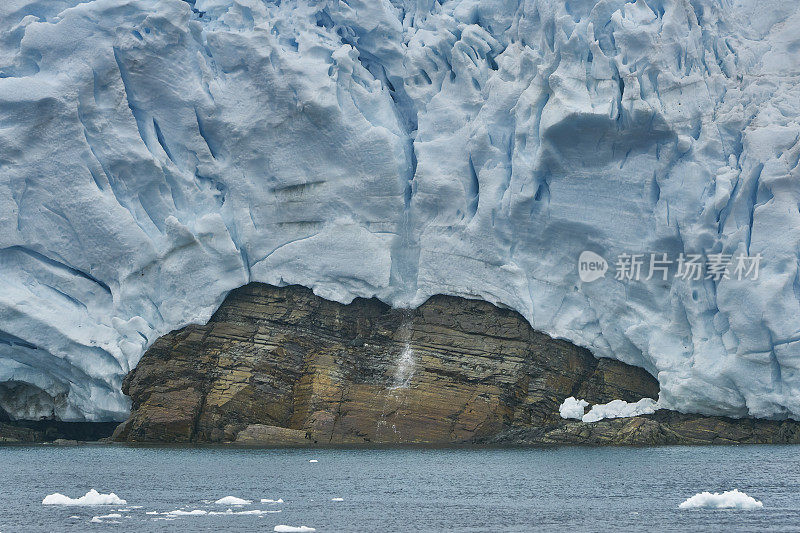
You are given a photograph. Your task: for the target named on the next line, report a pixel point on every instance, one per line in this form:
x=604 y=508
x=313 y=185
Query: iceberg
x=232 y=500
x=90 y=498
x=730 y=499
x=156 y=154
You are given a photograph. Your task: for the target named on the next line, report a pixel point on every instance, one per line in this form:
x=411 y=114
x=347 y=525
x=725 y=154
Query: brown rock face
x=280 y=366
x=453 y=370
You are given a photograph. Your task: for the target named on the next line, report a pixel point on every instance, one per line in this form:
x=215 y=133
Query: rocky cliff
x=283 y=366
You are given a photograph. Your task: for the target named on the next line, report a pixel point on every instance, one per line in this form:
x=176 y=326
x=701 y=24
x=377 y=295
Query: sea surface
x=520 y=489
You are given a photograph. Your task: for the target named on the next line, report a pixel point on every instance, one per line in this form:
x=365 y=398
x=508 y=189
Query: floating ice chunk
x=90 y=498
x=573 y=408
x=730 y=499
x=233 y=500
x=151 y=512
x=99 y=519
x=250 y=512
x=267 y=500
x=313 y=461
x=337 y=499
x=621 y=409
x=293 y=529
x=179 y=512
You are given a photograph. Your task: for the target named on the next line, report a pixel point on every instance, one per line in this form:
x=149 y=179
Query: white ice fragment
x=621 y=409
x=337 y=499
x=293 y=529
x=179 y=512
x=99 y=519
x=730 y=499
x=250 y=512
x=572 y=408
x=90 y=498
x=233 y=500
x=313 y=461
x=267 y=500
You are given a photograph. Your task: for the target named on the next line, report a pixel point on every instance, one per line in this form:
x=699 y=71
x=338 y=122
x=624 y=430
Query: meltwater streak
x=405 y=362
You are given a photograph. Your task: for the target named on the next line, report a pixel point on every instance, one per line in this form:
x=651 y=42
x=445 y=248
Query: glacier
x=156 y=154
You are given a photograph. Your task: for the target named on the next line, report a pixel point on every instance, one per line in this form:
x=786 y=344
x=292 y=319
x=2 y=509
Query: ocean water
x=564 y=489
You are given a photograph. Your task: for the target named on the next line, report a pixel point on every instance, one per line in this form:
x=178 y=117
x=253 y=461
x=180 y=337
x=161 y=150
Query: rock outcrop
x=30 y=431
x=283 y=366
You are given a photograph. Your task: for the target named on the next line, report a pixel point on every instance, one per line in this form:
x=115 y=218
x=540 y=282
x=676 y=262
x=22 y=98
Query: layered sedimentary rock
x=452 y=370
x=28 y=431
x=662 y=427
x=283 y=366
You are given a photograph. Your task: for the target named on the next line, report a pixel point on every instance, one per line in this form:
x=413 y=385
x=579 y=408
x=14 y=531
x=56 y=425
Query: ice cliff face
x=155 y=154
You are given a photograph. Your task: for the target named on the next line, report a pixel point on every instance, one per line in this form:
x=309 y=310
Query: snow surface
x=90 y=498
x=573 y=408
x=730 y=499
x=155 y=154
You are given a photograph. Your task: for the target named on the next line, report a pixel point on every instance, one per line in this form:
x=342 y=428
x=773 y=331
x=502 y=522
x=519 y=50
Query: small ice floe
x=293 y=529
x=253 y=512
x=573 y=408
x=90 y=498
x=180 y=512
x=267 y=500
x=730 y=499
x=232 y=500
x=337 y=499
x=313 y=461
x=103 y=517
x=151 y=512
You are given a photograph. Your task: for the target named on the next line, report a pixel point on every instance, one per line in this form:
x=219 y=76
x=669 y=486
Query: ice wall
x=155 y=154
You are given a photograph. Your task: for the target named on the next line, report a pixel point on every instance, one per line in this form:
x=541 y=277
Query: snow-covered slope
x=155 y=154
